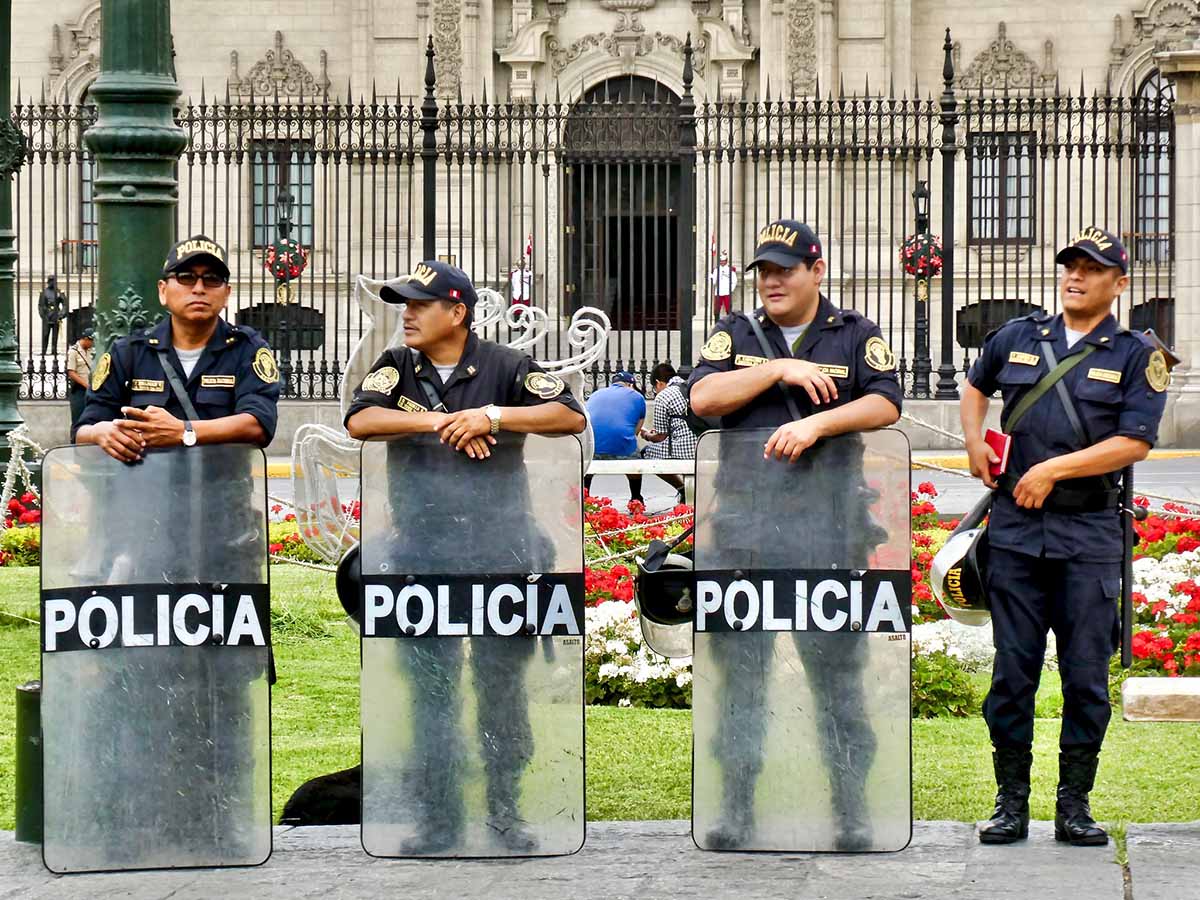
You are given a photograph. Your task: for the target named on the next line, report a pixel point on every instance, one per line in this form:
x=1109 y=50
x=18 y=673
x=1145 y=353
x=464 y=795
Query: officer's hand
x=790 y=440
x=804 y=374
x=1035 y=485
x=980 y=455
x=460 y=427
x=117 y=442
x=479 y=447
x=157 y=427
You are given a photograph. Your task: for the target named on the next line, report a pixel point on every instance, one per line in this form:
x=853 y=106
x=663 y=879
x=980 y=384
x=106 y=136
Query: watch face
x=189 y=437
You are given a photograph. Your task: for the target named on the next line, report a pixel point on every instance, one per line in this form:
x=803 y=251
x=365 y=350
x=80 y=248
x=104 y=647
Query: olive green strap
x=1048 y=381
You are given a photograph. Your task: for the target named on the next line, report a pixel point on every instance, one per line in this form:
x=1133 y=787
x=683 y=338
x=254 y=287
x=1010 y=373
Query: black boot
x=854 y=833
x=1073 y=820
x=735 y=826
x=1010 y=820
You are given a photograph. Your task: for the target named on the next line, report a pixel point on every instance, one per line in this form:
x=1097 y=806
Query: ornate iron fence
x=625 y=198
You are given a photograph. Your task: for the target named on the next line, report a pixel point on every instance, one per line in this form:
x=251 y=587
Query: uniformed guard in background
x=156 y=596
x=1094 y=393
x=465 y=497
x=796 y=497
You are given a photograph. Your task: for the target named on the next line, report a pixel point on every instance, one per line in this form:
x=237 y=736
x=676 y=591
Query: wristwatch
x=189 y=434
x=493 y=413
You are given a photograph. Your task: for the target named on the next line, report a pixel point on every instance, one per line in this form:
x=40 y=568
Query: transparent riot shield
x=801 y=695
x=472 y=648
x=155 y=654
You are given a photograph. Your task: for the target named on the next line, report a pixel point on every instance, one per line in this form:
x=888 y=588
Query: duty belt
x=1069 y=500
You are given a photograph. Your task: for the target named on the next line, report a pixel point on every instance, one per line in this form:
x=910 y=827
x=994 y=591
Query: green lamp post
x=136 y=144
x=12 y=155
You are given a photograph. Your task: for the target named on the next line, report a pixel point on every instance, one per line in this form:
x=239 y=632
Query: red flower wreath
x=285 y=259
x=921 y=255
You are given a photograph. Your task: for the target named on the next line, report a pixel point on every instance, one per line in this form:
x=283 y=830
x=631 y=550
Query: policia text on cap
x=1055 y=532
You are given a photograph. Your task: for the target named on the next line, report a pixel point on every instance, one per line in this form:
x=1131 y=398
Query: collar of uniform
x=1055 y=329
x=828 y=316
x=224 y=335
x=467 y=367
x=1104 y=334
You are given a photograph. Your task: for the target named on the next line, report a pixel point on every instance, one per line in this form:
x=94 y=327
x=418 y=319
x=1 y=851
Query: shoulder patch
x=382 y=380
x=718 y=347
x=264 y=366
x=879 y=355
x=100 y=375
x=1158 y=376
x=544 y=385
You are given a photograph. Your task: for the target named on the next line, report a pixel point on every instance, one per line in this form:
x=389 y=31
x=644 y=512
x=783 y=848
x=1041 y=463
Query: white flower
x=608 y=671
x=683 y=679
x=625 y=702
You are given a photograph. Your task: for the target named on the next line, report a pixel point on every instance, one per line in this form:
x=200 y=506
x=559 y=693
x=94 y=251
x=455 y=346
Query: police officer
x=448 y=381
x=841 y=374
x=1055 y=533
x=229 y=377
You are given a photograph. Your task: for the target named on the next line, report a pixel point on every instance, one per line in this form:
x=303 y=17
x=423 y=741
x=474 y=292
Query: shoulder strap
x=1068 y=402
x=1049 y=380
x=431 y=393
x=793 y=410
x=177 y=385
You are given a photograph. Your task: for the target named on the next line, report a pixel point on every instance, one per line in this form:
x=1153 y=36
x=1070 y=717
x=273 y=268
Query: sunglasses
x=189 y=279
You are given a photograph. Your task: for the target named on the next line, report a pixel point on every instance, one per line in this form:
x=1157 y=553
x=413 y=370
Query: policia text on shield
x=1055 y=536
x=471 y=548
x=782 y=502
x=155 y=595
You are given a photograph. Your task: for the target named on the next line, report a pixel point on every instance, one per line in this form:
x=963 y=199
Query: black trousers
x=1031 y=596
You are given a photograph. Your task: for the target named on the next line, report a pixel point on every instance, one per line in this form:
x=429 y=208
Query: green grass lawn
x=639 y=761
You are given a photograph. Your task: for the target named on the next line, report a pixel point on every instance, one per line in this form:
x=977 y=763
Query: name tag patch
x=225 y=381
x=409 y=405
x=743 y=360
x=834 y=371
x=1025 y=359
x=147 y=384
x=1109 y=375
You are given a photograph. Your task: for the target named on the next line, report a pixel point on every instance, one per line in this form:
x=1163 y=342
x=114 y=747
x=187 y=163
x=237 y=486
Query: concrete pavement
x=646 y=860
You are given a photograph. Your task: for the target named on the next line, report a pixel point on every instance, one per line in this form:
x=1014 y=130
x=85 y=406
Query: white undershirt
x=444 y=372
x=792 y=332
x=1074 y=337
x=188 y=359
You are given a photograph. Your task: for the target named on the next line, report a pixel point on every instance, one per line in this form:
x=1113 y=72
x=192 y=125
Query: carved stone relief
x=1160 y=26
x=1004 y=64
x=278 y=72
x=447 y=43
x=75 y=54
x=802 y=46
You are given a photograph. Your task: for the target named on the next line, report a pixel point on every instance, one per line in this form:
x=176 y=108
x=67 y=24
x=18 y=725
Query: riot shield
x=472 y=648
x=155 y=648
x=801 y=673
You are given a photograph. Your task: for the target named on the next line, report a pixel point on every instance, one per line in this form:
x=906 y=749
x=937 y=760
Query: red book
x=1001 y=443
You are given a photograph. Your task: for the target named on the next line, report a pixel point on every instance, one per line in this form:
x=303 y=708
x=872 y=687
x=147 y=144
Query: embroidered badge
x=382 y=380
x=101 y=373
x=834 y=371
x=264 y=366
x=742 y=360
x=1109 y=375
x=544 y=385
x=879 y=355
x=1158 y=376
x=1025 y=359
x=221 y=381
x=409 y=405
x=718 y=347
x=147 y=384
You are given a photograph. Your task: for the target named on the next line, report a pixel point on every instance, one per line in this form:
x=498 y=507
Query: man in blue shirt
x=617 y=413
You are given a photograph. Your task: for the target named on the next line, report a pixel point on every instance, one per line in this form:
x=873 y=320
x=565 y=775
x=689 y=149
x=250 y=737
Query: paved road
x=650 y=860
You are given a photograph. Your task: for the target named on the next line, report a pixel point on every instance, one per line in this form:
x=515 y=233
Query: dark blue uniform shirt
x=1113 y=395
x=847 y=346
x=235 y=374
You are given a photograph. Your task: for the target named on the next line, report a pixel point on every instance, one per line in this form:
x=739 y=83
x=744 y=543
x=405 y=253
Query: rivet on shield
x=410 y=630
x=533 y=577
x=739 y=574
x=530 y=628
x=856 y=626
x=94 y=643
x=738 y=626
x=410 y=579
x=218 y=638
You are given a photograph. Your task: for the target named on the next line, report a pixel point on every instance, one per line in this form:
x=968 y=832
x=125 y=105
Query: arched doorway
x=621 y=203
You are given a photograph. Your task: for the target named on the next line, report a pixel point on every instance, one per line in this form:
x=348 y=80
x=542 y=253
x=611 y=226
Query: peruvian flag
x=529 y=249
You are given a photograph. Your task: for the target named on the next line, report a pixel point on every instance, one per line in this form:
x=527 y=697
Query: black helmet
x=349 y=583
x=664 y=591
x=957 y=574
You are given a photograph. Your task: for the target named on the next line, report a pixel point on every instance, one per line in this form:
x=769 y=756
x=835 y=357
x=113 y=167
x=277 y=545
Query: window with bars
x=277 y=168
x=1000 y=188
x=1154 y=122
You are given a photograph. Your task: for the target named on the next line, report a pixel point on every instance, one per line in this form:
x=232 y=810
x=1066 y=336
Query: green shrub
x=21 y=546
x=941 y=687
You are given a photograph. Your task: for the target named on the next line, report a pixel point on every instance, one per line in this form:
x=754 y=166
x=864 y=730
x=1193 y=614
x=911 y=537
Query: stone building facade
x=536 y=50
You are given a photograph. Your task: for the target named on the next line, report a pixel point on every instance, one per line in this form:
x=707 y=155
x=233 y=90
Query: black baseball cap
x=786 y=243
x=194 y=249
x=432 y=280
x=1102 y=246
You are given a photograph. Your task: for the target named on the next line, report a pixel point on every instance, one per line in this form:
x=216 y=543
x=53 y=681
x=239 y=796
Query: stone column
x=1182 y=67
